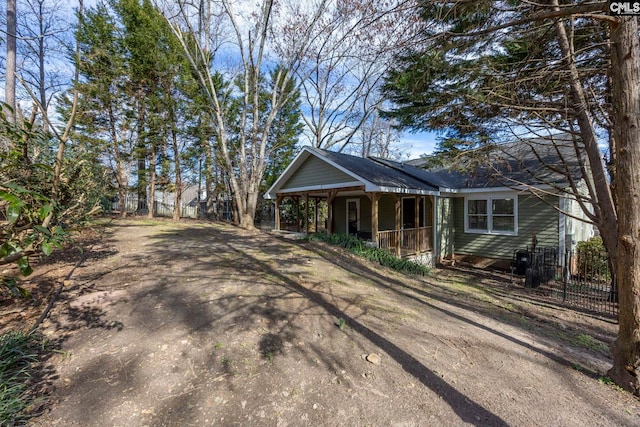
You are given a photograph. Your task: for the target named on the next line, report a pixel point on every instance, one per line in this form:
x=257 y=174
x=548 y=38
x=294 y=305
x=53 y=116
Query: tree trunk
x=42 y=86
x=209 y=177
x=121 y=179
x=152 y=181
x=625 y=87
x=605 y=208
x=247 y=219
x=122 y=198
x=10 y=83
x=235 y=211
x=208 y=186
x=141 y=151
x=178 y=183
x=245 y=202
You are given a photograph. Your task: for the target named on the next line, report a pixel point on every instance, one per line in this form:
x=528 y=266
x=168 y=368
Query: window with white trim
x=495 y=214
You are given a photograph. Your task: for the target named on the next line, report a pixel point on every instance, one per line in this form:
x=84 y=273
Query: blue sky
x=419 y=143
x=414 y=144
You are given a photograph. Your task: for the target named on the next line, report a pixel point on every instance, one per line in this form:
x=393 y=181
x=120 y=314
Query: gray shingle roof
x=528 y=162
x=378 y=172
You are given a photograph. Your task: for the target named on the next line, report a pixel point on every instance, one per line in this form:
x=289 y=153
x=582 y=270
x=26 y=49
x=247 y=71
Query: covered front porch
x=388 y=203
x=399 y=223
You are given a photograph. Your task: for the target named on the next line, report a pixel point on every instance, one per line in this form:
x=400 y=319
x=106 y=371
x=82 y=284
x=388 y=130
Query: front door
x=408 y=212
x=353 y=216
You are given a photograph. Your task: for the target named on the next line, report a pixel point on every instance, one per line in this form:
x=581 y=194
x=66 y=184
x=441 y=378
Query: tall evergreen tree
x=490 y=71
x=104 y=114
x=131 y=86
x=145 y=42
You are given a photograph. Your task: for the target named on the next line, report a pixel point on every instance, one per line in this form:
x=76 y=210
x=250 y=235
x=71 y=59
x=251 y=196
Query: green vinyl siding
x=387 y=212
x=534 y=216
x=445 y=226
x=316 y=172
x=340 y=214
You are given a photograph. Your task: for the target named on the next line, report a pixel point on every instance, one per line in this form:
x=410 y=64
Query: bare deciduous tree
x=344 y=66
x=43 y=29
x=10 y=81
x=245 y=154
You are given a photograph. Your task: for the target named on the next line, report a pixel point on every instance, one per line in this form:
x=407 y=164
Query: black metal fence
x=579 y=278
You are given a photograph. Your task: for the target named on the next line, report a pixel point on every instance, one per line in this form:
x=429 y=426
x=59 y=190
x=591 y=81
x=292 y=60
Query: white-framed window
x=491 y=214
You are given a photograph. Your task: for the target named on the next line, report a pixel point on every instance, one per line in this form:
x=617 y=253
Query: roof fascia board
x=374 y=189
x=544 y=187
x=415 y=191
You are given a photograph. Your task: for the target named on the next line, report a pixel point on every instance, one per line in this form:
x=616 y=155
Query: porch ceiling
x=324 y=193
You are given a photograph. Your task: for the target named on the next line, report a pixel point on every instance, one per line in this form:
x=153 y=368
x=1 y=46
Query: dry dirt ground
x=193 y=324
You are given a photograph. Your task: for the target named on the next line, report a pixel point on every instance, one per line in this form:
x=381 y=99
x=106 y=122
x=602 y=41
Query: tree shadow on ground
x=202 y=276
x=429 y=292
x=243 y=246
x=468 y=410
x=429 y=289
x=85 y=250
x=281 y=258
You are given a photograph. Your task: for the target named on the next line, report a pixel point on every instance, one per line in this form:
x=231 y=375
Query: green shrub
x=594 y=244
x=18 y=351
x=593 y=262
x=359 y=247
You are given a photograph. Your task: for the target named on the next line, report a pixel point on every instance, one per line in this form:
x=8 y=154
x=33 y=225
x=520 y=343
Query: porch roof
x=374 y=174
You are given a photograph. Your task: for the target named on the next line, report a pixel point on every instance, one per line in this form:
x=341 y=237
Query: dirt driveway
x=169 y=324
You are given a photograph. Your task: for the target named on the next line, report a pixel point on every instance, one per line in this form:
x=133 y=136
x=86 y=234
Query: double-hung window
x=477 y=215
x=496 y=214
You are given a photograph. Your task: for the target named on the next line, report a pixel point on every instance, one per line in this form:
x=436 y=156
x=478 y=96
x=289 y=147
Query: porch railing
x=408 y=241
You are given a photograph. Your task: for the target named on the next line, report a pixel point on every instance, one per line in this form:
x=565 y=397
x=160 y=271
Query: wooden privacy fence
x=131 y=204
x=166 y=209
x=408 y=241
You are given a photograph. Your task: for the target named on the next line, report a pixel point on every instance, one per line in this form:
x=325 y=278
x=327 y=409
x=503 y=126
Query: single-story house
x=440 y=214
